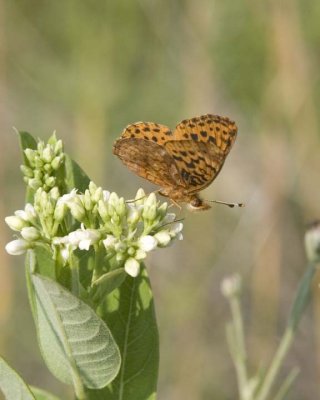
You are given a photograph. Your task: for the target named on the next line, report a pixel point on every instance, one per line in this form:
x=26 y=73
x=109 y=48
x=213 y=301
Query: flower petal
x=132 y=267
x=147 y=243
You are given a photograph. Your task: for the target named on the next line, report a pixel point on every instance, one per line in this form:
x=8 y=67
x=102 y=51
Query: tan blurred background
x=87 y=69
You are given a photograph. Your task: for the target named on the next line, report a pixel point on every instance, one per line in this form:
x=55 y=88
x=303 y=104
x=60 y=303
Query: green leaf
x=42 y=394
x=76 y=344
x=302 y=297
x=27 y=141
x=106 y=283
x=12 y=385
x=131 y=317
x=75 y=177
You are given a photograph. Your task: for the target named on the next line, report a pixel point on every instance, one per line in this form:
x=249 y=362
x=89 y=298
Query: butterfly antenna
x=172 y=222
x=134 y=200
x=231 y=205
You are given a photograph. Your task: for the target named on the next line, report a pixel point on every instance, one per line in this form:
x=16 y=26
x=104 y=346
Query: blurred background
x=86 y=70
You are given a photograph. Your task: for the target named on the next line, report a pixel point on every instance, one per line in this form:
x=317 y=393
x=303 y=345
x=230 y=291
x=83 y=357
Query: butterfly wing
x=197 y=166
x=140 y=149
x=156 y=133
x=199 y=147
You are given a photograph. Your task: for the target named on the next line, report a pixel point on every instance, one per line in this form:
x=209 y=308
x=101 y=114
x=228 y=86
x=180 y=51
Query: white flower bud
x=132 y=267
x=30 y=233
x=26 y=171
x=68 y=197
x=17 y=247
x=120 y=247
x=87 y=202
x=30 y=154
x=60 y=211
x=97 y=195
x=34 y=183
x=92 y=187
x=83 y=238
x=40 y=146
x=231 y=285
x=105 y=195
x=121 y=207
x=56 y=162
x=113 y=199
x=140 y=193
x=109 y=242
x=151 y=200
x=15 y=223
x=54 y=193
x=58 y=146
x=163 y=238
x=133 y=216
x=312 y=242
x=147 y=243
x=140 y=255
x=50 y=181
x=131 y=251
x=175 y=228
x=76 y=208
x=103 y=210
x=150 y=212
x=170 y=217
x=47 y=154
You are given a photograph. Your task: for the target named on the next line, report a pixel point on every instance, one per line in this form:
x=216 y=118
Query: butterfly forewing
x=219 y=132
x=156 y=133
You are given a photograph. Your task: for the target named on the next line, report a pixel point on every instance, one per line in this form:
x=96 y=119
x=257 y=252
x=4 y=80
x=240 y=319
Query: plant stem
x=300 y=302
x=281 y=352
x=75 y=289
x=240 y=349
x=284 y=389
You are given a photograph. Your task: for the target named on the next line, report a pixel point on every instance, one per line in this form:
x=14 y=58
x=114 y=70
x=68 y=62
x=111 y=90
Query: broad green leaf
x=75 y=177
x=40 y=394
x=76 y=344
x=131 y=317
x=106 y=283
x=12 y=385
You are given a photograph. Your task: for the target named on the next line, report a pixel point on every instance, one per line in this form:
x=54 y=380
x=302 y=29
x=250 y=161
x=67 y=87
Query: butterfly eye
x=196 y=202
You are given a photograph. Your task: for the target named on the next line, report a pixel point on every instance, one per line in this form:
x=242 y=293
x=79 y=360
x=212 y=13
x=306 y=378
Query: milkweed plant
x=89 y=290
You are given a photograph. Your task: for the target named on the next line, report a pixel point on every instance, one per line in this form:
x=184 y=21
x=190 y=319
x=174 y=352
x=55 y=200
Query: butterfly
x=182 y=162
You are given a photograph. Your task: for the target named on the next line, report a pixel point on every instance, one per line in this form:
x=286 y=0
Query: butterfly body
x=182 y=162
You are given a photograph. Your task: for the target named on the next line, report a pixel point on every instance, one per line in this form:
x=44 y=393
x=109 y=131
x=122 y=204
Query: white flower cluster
x=42 y=163
x=126 y=231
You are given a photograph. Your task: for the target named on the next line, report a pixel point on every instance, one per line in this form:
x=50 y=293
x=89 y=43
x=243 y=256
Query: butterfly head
x=197 y=204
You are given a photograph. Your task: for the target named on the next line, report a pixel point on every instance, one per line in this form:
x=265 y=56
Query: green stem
x=300 y=302
x=285 y=387
x=240 y=348
x=79 y=388
x=281 y=352
x=75 y=279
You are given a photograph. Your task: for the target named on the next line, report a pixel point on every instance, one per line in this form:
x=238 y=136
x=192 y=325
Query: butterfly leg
x=174 y=203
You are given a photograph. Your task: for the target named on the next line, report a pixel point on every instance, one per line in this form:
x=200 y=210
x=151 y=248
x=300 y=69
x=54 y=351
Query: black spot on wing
x=194 y=137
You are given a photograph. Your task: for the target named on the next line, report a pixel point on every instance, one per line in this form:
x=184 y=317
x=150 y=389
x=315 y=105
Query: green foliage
x=131 y=317
x=41 y=394
x=12 y=385
x=75 y=343
x=95 y=325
